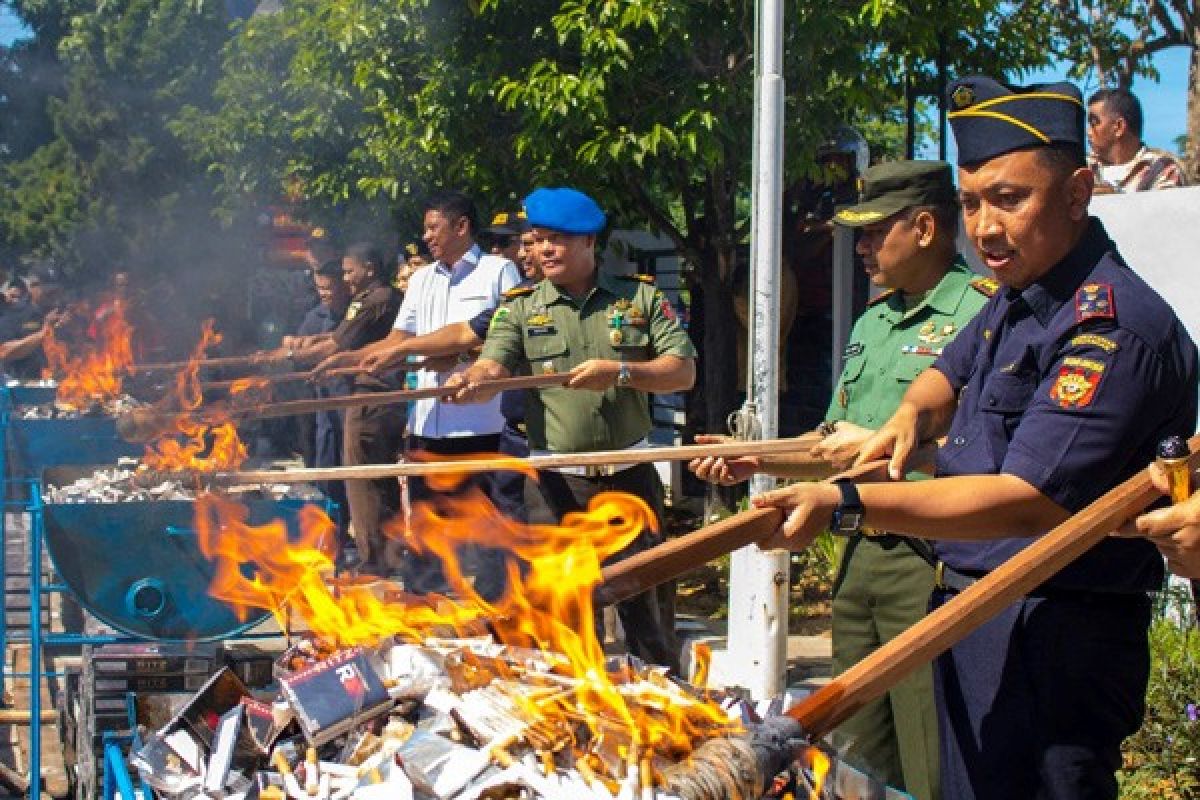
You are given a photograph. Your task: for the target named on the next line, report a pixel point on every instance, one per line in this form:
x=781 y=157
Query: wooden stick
x=147 y=424
x=600 y=458
x=283 y=377
x=870 y=678
x=174 y=366
x=649 y=568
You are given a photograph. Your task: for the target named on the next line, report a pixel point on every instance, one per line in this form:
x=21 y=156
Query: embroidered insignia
x=1084 y=363
x=843 y=398
x=540 y=330
x=667 y=309
x=1075 y=387
x=1094 y=340
x=853 y=349
x=986 y=286
x=518 y=291
x=500 y=314
x=538 y=320
x=963 y=97
x=615 y=337
x=931 y=334
x=1095 y=301
x=987 y=334
x=353 y=309
x=548 y=367
x=640 y=278
x=919 y=350
x=881 y=298
x=635 y=317
x=858 y=217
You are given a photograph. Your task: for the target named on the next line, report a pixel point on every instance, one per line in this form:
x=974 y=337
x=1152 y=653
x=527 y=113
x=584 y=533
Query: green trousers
x=882 y=591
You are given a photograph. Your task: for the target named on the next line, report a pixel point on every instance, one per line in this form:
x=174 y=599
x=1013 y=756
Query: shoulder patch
x=881 y=298
x=639 y=277
x=986 y=286
x=1095 y=301
x=517 y=291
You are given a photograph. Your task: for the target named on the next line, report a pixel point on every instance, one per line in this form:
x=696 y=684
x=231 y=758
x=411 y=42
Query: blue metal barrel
x=137 y=566
x=18 y=395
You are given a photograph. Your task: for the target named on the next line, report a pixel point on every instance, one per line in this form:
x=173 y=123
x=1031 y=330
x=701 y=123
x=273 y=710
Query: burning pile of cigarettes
x=132 y=482
x=115 y=406
x=448 y=718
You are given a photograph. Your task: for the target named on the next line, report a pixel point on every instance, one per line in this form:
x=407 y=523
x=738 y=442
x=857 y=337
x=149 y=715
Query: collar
x=465 y=264
x=943 y=298
x=547 y=293
x=1057 y=287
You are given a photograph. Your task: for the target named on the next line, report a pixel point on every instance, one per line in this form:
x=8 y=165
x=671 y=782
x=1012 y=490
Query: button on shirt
x=1069 y=384
x=440 y=295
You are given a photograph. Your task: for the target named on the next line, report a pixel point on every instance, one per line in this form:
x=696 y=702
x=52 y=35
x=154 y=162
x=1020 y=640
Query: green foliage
x=1162 y=760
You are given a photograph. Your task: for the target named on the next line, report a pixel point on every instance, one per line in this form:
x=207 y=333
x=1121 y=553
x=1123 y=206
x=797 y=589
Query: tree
x=113 y=185
x=1116 y=39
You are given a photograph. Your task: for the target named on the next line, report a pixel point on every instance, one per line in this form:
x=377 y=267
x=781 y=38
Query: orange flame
x=196 y=446
x=818 y=765
x=96 y=374
x=548 y=606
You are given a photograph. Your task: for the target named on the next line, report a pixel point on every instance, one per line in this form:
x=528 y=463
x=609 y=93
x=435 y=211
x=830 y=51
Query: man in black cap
x=503 y=236
x=1060 y=389
x=22 y=329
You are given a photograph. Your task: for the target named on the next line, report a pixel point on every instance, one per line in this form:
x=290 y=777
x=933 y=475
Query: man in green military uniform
x=618 y=338
x=908 y=220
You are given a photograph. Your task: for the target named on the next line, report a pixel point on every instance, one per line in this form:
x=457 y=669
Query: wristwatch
x=624 y=375
x=848 y=516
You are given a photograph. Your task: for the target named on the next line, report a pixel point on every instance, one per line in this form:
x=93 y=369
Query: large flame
x=198 y=444
x=547 y=606
x=96 y=373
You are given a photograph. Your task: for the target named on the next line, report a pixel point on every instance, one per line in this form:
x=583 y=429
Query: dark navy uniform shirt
x=1069 y=384
x=512 y=402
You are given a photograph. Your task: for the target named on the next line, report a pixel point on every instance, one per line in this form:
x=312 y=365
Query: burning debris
x=132 y=482
x=112 y=407
x=446 y=718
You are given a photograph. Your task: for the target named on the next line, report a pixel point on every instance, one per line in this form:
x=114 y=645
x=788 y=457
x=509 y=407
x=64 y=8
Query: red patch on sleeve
x=668 y=310
x=1074 y=387
x=1095 y=301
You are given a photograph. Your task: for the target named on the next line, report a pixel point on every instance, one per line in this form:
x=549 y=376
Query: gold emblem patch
x=963 y=97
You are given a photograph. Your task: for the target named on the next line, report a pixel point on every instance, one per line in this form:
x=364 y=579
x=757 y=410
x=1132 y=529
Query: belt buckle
x=600 y=471
x=939 y=576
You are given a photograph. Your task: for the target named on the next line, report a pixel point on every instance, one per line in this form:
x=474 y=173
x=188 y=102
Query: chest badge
x=353 y=309
x=932 y=333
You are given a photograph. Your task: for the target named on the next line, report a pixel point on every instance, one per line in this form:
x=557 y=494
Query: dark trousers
x=508 y=486
x=328 y=447
x=422 y=572
x=648 y=618
x=373 y=435
x=1035 y=703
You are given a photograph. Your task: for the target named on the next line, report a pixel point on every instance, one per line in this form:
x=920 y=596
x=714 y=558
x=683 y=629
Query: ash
x=131 y=482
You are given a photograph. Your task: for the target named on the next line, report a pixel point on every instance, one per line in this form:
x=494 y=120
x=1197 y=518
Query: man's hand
x=1175 y=530
x=292 y=342
x=895 y=441
x=469 y=379
x=726 y=471
x=597 y=374
x=335 y=361
x=383 y=360
x=841 y=447
x=809 y=507
x=56 y=318
x=265 y=358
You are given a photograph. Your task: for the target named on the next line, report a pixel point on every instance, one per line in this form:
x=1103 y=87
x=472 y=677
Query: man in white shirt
x=461 y=283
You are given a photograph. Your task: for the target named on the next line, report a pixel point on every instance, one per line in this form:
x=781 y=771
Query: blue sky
x=1164 y=102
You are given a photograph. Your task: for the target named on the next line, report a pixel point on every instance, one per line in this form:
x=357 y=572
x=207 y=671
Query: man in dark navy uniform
x=1059 y=389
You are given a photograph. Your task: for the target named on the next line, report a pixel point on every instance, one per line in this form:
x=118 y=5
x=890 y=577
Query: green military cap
x=888 y=189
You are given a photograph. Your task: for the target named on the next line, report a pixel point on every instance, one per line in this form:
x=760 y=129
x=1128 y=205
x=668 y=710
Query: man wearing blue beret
x=1059 y=389
x=618 y=339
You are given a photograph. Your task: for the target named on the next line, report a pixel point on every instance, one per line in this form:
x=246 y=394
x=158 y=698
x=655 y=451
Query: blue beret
x=991 y=118
x=565 y=210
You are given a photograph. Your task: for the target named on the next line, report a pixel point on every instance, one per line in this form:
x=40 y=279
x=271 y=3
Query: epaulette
x=517 y=291
x=881 y=298
x=640 y=278
x=986 y=286
x=1095 y=301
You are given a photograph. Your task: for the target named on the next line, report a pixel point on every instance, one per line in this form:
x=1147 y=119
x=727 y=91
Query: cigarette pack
x=152 y=658
x=149 y=683
x=336 y=694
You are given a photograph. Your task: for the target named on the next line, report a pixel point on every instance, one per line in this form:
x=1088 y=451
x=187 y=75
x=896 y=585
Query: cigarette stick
x=647 y=774
x=312 y=772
